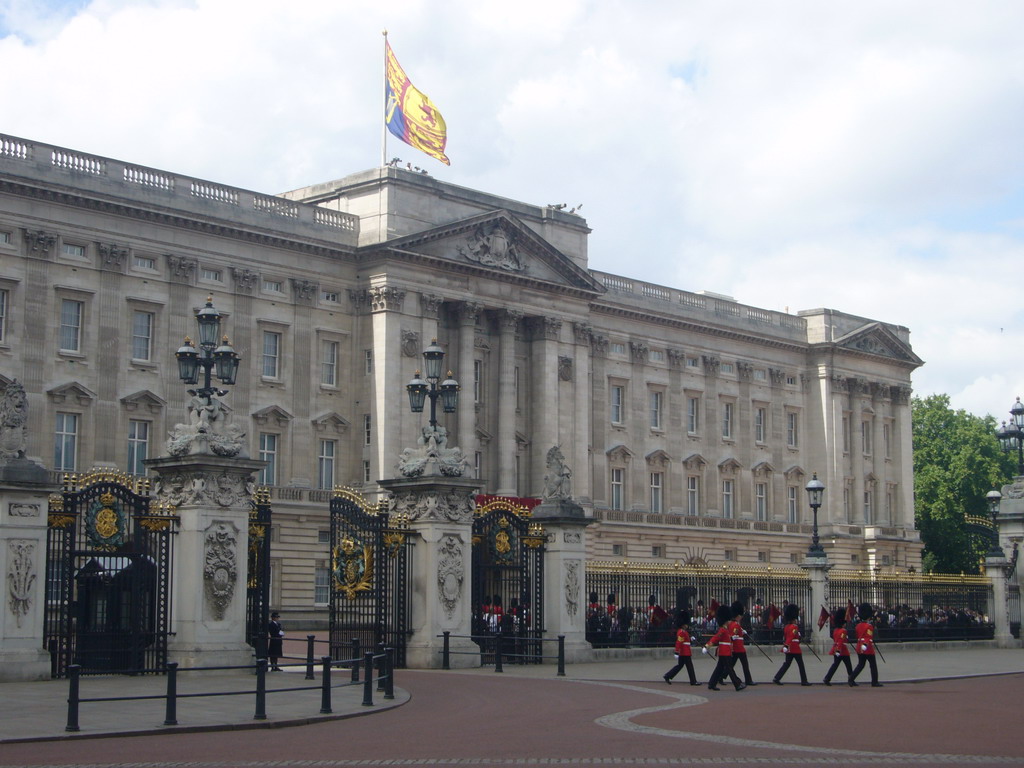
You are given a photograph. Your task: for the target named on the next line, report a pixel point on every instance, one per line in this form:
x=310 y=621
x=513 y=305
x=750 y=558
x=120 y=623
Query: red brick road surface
x=462 y=719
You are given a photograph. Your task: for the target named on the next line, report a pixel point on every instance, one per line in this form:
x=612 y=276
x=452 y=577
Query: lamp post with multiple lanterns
x=1011 y=436
x=992 y=498
x=210 y=356
x=419 y=389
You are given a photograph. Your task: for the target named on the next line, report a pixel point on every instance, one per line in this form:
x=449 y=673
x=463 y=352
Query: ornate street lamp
x=223 y=358
x=815 y=490
x=992 y=498
x=1011 y=436
x=419 y=389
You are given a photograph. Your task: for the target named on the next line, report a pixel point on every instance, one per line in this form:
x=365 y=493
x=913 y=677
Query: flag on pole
x=851 y=612
x=773 y=614
x=409 y=113
x=713 y=609
x=822 y=617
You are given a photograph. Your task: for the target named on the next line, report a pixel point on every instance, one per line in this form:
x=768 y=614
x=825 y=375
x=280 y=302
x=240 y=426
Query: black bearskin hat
x=723 y=614
x=611 y=599
x=839 y=617
x=683 y=619
x=791 y=612
x=865 y=611
x=593 y=597
x=738 y=609
x=652 y=600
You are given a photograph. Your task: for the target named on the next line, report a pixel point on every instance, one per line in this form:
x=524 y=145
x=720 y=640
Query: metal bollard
x=355 y=659
x=261 y=690
x=73 y=671
x=171 y=708
x=325 y=686
x=389 y=683
x=445 y=651
x=368 y=679
x=309 y=656
x=497 y=653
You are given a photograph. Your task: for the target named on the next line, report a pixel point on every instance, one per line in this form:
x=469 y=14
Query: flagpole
x=384 y=109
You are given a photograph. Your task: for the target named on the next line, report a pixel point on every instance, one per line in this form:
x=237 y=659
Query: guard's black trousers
x=869 y=659
x=835 y=665
x=785 y=665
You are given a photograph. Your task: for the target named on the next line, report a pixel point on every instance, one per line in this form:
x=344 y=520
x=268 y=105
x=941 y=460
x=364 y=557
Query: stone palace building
x=691 y=422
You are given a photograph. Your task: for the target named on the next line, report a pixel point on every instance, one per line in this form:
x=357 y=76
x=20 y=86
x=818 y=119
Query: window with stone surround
x=268 y=446
x=138 y=446
x=72 y=316
x=325 y=464
x=65 y=442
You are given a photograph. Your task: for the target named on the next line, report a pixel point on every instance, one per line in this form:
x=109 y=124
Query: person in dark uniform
x=840 y=652
x=275 y=645
x=683 y=650
x=791 y=644
x=739 y=650
x=864 y=644
x=723 y=639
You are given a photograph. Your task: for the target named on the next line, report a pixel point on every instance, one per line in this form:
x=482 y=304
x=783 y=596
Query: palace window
x=65 y=442
x=71 y=313
x=692 y=495
x=692 y=415
x=329 y=363
x=792 y=430
x=142 y=335
x=727 y=498
x=4 y=296
x=325 y=464
x=617 y=393
x=268 y=453
x=760 y=420
x=727 y=416
x=761 y=501
x=657 y=491
x=138 y=446
x=655 y=401
x=792 y=505
x=271 y=355
x=617 y=488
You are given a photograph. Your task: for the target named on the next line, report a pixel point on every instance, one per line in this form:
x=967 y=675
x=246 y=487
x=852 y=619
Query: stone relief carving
x=777 y=375
x=676 y=358
x=430 y=305
x=39 y=241
x=565 y=368
x=245 y=280
x=469 y=312
x=384 y=298
x=509 y=319
x=572 y=587
x=207 y=431
x=558 y=480
x=13 y=418
x=711 y=364
x=112 y=256
x=639 y=352
x=432 y=456
x=220 y=572
x=304 y=290
x=571 y=537
x=14 y=509
x=901 y=394
x=450 y=574
x=452 y=506
x=181 y=268
x=599 y=345
x=493 y=245
x=410 y=343
x=744 y=369
x=21 y=577
x=221 y=489
x=582 y=332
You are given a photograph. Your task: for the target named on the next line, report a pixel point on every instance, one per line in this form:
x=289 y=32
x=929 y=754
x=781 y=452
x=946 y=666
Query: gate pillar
x=210 y=572
x=24 y=488
x=440 y=514
x=999 y=604
x=817 y=574
x=565 y=576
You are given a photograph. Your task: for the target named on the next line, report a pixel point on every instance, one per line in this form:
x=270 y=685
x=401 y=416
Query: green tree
x=957 y=460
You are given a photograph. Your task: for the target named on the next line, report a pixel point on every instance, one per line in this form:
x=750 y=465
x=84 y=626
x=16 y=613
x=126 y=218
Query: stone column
x=24 y=488
x=210 y=565
x=999 y=608
x=508 y=322
x=544 y=394
x=468 y=314
x=565 y=576
x=386 y=306
x=440 y=512
x=817 y=573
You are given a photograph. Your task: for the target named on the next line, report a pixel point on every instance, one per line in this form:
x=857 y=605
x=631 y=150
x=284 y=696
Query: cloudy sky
x=859 y=155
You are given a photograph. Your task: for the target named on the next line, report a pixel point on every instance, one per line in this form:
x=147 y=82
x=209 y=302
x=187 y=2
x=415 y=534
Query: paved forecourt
x=614 y=712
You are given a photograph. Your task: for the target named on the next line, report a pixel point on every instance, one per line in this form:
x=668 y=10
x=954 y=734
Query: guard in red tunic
x=723 y=639
x=683 y=650
x=739 y=650
x=791 y=645
x=865 y=645
x=840 y=651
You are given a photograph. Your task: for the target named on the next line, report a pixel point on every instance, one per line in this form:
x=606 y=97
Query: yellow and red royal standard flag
x=410 y=114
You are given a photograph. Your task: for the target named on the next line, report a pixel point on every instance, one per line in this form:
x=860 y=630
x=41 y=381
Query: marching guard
x=739 y=650
x=683 y=650
x=840 y=651
x=723 y=639
x=865 y=645
x=791 y=645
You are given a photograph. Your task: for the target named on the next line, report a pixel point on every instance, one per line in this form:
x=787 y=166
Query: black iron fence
x=635 y=604
x=918 y=607
x=1013 y=603
x=499 y=649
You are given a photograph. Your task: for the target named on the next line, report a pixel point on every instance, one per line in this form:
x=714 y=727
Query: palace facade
x=691 y=422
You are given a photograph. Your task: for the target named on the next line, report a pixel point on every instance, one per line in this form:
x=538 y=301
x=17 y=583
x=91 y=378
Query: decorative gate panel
x=508 y=579
x=257 y=606
x=108 y=570
x=370 y=554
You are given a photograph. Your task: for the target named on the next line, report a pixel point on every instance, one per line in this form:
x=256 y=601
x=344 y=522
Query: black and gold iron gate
x=257 y=593
x=108 y=575
x=508 y=579
x=370 y=566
